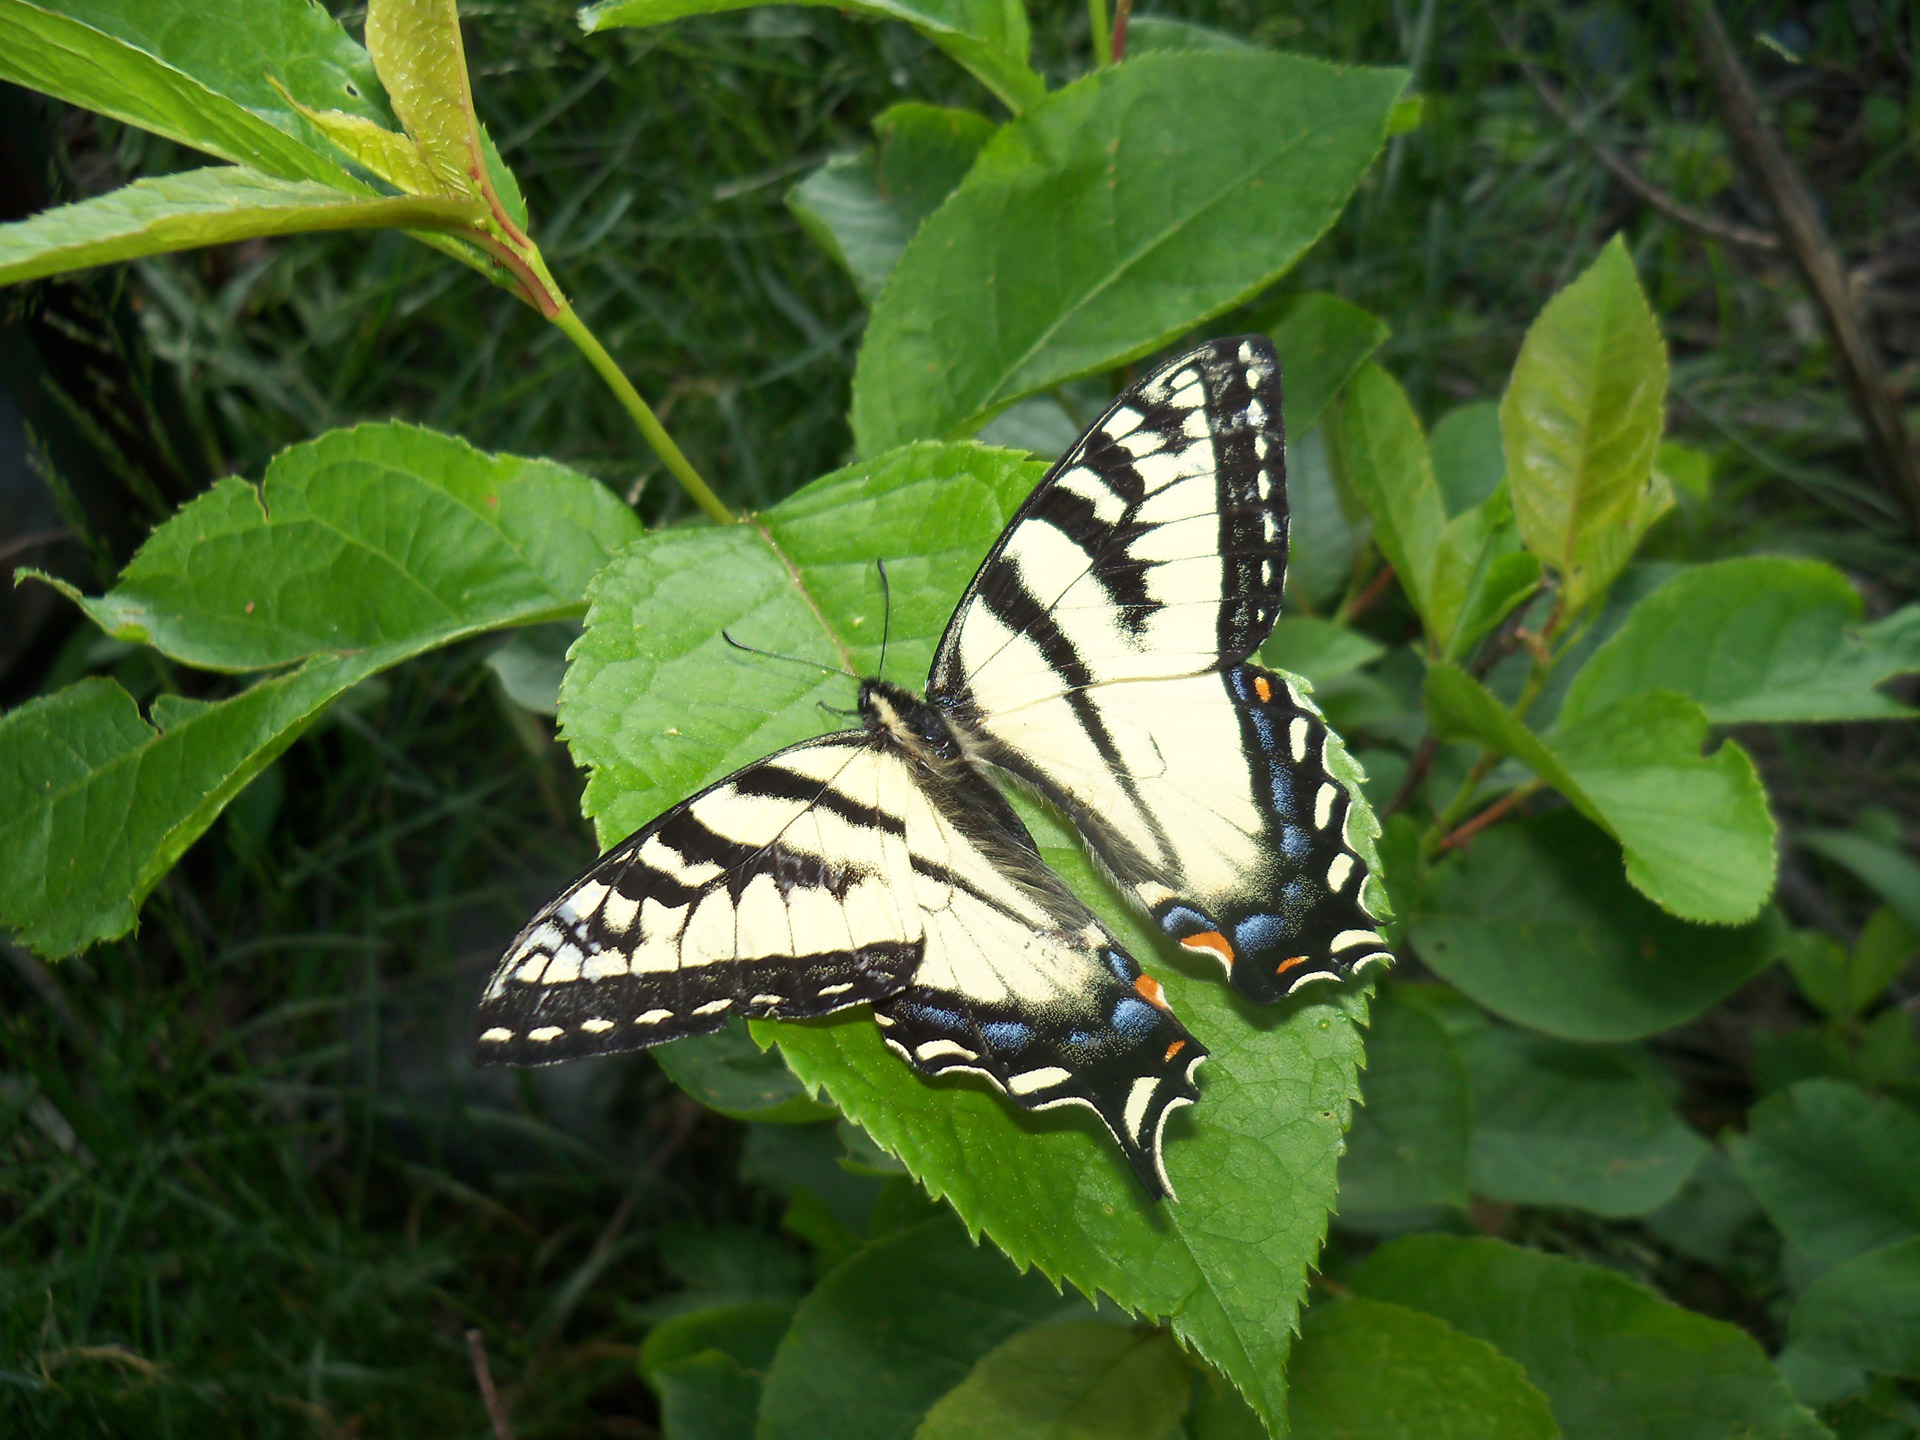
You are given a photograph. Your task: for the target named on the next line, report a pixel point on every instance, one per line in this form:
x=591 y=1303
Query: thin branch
x=1760 y=150
x=1122 y=9
x=1621 y=169
x=1375 y=588
x=1457 y=840
x=483 y=1377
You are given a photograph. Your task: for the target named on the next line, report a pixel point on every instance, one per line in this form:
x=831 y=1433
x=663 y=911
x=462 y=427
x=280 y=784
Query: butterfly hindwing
x=1101 y=656
x=783 y=891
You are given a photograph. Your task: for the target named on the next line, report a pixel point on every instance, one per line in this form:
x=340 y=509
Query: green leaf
x=891 y=1330
x=1892 y=873
x=1885 y=946
x=383 y=542
x=213 y=206
x=726 y=1071
x=1467 y=458
x=863 y=208
x=1108 y=221
x=1757 y=640
x=1318 y=649
x=369 y=538
x=706 y=1367
x=417 y=50
x=1366 y=1370
x=1074 y=1380
x=1687 y=470
x=1321 y=341
x=1581 y=420
x=1157 y=32
x=1320 y=533
x=1408 y=1145
x=1535 y=922
x=657 y=705
x=45 y=50
x=1479 y=574
x=1384 y=458
x=1614 y=1361
x=1556 y=1123
x=989 y=37
x=1694 y=830
x=1865 y=1312
x=1837 y=1172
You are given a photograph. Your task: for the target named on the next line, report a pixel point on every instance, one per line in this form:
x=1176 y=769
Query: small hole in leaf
x=352 y=89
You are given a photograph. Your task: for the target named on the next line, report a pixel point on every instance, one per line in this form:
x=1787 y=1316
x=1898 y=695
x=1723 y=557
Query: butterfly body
x=1100 y=658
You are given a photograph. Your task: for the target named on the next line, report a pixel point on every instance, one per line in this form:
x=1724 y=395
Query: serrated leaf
x=1535 y=921
x=421 y=60
x=1837 y=1171
x=1408 y=1146
x=1107 y=221
x=658 y=705
x=1581 y=420
x=726 y=1071
x=1865 y=1311
x=214 y=206
x=989 y=37
x=1383 y=456
x=1322 y=341
x=1074 y=1380
x=394 y=551
x=1556 y=1123
x=1694 y=830
x=73 y=61
x=1614 y=1361
x=395 y=158
x=892 y=1329
x=1757 y=640
x=864 y=207
x=1367 y=1370
x=366 y=538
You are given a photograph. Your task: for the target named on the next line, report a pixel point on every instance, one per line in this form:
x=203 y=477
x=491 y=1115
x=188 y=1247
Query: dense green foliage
x=1616 y=692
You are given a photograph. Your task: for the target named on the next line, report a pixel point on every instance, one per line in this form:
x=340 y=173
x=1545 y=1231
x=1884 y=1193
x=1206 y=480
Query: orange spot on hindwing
x=1150 y=991
x=1289 y=963
x=1262 y=689
x=1214 y=943
x=1173 y=1050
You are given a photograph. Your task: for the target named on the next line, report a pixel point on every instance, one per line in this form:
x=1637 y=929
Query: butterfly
x=1098 y=657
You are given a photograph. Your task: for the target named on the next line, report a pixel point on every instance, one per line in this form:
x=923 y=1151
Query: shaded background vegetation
x=249 y=1181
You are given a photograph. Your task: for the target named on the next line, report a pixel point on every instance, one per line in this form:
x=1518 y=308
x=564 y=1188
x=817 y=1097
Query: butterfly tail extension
x=1315 y=912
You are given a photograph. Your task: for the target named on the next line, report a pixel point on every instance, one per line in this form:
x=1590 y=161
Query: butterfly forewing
x=1100 y=654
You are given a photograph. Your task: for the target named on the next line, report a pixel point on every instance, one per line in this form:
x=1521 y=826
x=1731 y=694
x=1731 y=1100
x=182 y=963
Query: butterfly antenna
x=837 y=711
x=886 y=614
x=793 y=659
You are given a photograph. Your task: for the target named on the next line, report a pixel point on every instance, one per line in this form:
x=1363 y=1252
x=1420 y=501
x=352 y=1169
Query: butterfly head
x=907 y=719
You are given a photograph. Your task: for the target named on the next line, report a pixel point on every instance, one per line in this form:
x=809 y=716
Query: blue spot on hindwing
x=1181 y=921
x=1258 y=933
x=1296 y=844
x=1008 y=1036
x=935 y=1016
x=1124 y=970
x=1263 y=723
x=1133 y=1018
x=1283 y=792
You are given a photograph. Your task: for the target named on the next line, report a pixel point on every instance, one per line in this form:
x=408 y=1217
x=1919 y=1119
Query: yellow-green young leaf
x=1581 y=421
x=1687 y=470
x=213 y=206
x=989 y=37
x=392 y=156
x=1074 y=1380
x=418 y=53
x=1367 y=1370
x=1383 y=455
x=1695 y=830
x=1109 y=220
x=1479 y=574
x=657 y=705
x=48 y=51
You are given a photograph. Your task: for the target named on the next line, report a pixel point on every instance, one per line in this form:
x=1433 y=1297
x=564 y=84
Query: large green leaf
x=989 y=37
x=1075 y=1380
x=1107 y=221
x=1536 y=922
x=1694 y=829
x=726 y=1071
x=1865 y=1311
x=1367 y=1370
x=1614 y=1361
x=1755 y=640
x=1383 y=455
x=1561 y=1124
x=863 y=208
x=1321 y=341
x=361 y=549
x=892 y=1329
x=417 y=48
x=1408 y=1145
x=1480 y=572
x=658 y=705
x=1836 y=1171
x=1581 y=420
x=1467 y=457
x=203 y=207
x=707 y=1368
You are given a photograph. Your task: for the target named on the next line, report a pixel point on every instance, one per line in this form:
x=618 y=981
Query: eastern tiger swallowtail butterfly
x=1100 y=656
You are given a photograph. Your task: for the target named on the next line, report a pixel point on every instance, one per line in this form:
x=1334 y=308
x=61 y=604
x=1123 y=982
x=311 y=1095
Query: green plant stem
x=1102 y=35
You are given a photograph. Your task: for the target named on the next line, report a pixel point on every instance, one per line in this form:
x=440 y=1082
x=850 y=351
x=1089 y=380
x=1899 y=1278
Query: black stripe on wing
x=1305 y=916
x=606 y=967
